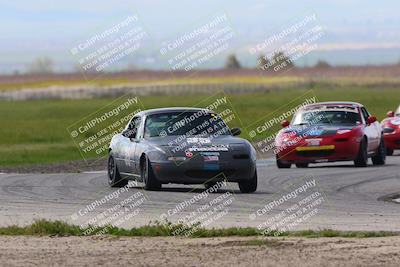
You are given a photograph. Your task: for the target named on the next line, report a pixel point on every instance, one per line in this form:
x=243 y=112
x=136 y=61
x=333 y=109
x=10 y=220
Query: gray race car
x=181 y=145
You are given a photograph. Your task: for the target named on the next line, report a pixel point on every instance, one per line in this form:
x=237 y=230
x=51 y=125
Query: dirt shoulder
x=172 y=251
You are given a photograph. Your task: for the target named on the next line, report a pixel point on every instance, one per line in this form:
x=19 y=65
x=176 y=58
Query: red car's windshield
x=334 y=117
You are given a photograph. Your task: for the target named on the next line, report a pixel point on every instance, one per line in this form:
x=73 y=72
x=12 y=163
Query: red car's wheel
x=380 y=157
x=362 y=157
x=282 y=165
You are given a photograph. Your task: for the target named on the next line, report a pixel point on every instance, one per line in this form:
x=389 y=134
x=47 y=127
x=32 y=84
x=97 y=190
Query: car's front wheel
x=380 y=157
x=389 y=151
x=148 y=177
x=114 y=178
x=362 y=157
x=282 y=165
x=249 y=186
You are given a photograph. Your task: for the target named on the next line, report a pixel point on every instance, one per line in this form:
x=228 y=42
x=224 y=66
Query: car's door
x=372 y=131
x=128 y=145
x=139 y=148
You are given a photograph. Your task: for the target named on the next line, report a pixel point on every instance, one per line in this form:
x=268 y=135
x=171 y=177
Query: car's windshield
x=185 y=123
x=333 y=117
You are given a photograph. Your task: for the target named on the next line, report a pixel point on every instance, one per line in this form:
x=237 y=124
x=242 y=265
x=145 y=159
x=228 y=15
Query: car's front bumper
x=329 y=149
x=392 y=140
x=197 y=171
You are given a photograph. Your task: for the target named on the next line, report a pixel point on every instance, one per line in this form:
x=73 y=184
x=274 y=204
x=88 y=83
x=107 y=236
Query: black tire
x=362 y=157
x=114 y=178
x=282 y=165
x=389 y=151
x=302 y=165
x=380 y=157
x=148 y=177
x=249 y=186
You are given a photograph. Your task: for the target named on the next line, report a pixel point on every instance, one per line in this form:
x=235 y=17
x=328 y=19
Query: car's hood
x=392 y=122
x=317 y=130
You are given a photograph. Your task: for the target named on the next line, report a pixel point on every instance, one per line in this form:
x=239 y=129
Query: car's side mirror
x=285 y=123
x=371 y=119
x=236 y=131
x=129 y=133
x=390 y=114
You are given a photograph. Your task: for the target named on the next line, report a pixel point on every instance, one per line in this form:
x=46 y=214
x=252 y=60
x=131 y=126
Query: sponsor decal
x=211 y=161
x=210 y=156
x=313 y=142
x=198 y=140
x=210 y=148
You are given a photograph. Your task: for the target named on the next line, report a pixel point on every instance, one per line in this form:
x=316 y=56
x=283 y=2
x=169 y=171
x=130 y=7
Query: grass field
x=59 y=228
x=271 y=81
x=35 y=131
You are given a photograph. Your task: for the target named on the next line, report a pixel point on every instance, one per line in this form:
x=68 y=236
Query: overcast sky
x=30 y=29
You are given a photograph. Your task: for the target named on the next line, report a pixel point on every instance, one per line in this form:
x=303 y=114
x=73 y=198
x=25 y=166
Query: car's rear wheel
x=380 y=157
x=148 y=177
x=282 y=165
x=362 y=157
x=302 y=165
x=389 y=152
x=114 y=178
x=249 y=186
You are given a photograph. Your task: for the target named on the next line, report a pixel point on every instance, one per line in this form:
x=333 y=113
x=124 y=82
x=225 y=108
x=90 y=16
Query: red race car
x=391 y=131
x=330 y=131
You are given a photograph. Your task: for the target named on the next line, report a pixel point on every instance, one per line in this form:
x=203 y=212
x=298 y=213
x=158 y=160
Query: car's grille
x=341 y=139
x=397 y=142
x=316 y=153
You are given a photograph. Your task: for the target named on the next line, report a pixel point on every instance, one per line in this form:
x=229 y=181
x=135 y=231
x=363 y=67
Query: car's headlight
x=237 y=147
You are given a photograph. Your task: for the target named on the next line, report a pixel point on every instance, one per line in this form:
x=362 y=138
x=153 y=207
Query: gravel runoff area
x=173 y=251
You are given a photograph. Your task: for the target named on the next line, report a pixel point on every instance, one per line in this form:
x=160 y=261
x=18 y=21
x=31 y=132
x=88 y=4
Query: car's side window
x=134 y=125
x=365 y=114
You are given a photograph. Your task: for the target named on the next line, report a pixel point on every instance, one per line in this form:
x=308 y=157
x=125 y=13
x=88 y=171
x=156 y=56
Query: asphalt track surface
x=343 y=197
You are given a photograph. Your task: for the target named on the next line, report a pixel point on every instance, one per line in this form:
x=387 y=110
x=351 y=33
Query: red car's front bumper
x=392 y=140
x=328 y=148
